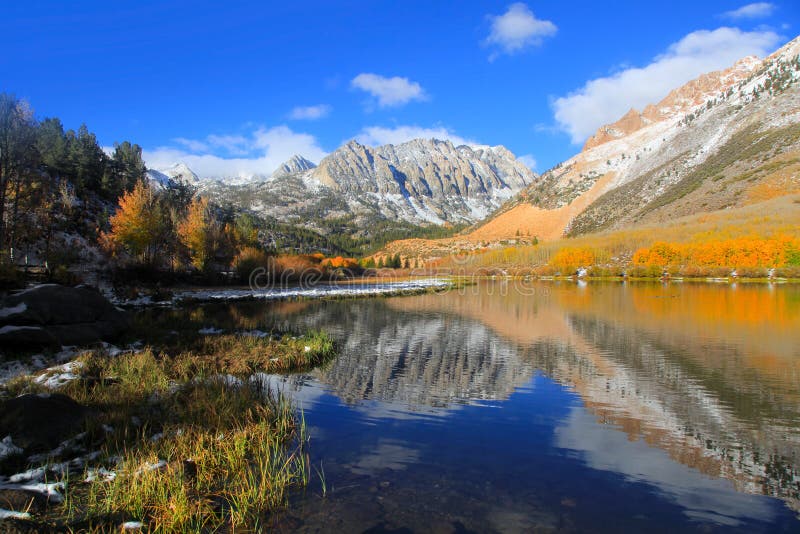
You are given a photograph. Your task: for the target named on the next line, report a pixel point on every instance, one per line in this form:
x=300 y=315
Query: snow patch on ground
x=210 y=331
x=51 y=490
x=93 y=475
x=58 y=376
x=12 y=328
x=13 y=310
x=7 y=448
x=8 y=514
x=255 y=333
x=161 y=464
x=318 y=291
x=15 y=368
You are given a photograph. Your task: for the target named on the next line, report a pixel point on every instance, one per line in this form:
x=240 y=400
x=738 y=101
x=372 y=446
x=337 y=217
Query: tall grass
x=192 y=446
x=218 y=464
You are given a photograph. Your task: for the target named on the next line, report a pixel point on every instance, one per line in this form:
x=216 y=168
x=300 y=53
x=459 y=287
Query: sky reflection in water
x=595 y=408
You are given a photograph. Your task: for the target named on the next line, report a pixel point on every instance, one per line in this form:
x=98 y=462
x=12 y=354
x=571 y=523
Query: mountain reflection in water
x=601 y=407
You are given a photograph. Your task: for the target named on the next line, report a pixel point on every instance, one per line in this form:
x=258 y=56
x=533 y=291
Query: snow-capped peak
x=296 y=163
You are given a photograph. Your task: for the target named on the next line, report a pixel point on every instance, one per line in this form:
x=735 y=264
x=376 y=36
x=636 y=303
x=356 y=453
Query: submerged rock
x=51 y=315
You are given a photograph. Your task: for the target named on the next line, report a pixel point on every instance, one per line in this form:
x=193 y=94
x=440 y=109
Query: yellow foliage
x=740 y=252
x=573 y=257
x=196 y=233
x=137 y=224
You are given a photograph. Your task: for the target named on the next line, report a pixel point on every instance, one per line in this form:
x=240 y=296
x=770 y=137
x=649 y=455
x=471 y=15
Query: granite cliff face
x=426 y=180
x=420 y=182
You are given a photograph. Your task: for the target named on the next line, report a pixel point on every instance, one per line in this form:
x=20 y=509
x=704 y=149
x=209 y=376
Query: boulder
x=31 y=337
x=39 y=423
x=63 y=316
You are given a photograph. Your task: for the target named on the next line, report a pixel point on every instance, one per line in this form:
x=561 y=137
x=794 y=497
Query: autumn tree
x=197 y=232
x=138 y=225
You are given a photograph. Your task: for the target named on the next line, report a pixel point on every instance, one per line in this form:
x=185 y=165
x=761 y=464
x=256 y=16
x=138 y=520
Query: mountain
x=179 y=173
x=293 y=165
x=361 y=191
x=425 y=180
x=725 y=140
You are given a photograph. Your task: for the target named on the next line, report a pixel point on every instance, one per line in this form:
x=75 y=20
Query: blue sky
x=238 y=90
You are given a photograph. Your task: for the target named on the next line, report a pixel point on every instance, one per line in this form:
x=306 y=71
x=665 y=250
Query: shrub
x=248 y=260
x=788 y=271
x=645 y=271
x=752 y=272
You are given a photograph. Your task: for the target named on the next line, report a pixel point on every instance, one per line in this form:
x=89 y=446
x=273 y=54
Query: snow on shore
x=315 y=291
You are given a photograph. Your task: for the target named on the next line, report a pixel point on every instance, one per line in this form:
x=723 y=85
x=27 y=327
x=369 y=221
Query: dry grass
x=772 y=218
x=227 y=448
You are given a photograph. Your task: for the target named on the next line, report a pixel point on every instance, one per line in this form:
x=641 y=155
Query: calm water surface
x=597 y=407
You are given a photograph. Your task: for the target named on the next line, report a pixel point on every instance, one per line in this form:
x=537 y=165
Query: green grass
x=231 y=448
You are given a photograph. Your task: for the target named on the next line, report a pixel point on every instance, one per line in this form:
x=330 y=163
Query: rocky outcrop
x=294 y=164
x=51 y=315
x=678 y=102
x=426 y=179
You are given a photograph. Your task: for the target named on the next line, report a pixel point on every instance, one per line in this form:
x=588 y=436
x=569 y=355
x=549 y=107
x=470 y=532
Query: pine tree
x=87 y=159
x=124 y=170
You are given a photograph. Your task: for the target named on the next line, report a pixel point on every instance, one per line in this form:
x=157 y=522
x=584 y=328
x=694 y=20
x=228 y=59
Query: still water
x=564 y=407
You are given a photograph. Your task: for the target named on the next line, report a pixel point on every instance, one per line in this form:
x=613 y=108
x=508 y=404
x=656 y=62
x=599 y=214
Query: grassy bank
x=184 y=439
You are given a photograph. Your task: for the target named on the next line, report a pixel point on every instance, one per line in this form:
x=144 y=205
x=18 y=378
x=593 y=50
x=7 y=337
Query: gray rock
x=26 y=336
x=52 y=314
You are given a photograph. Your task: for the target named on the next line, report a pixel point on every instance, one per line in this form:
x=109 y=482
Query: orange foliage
x=137 y=225
x=339 y=263
x=746 y=252
x=573 y=257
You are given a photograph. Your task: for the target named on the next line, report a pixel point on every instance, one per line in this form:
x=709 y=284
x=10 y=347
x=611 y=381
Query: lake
x=517 y=407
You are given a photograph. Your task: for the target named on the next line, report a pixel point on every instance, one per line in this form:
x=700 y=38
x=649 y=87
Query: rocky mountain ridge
x=421 y=182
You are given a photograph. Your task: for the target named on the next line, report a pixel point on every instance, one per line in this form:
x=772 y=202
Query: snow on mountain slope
x=296 y=163
x=630 y=170
x=419 y=182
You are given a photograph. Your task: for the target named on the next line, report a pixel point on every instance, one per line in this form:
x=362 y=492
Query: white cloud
x=237 y=145
x=310 y=113
x=379 y=135
x=389 y=92
x=604 y=100
x=516 y=29
x=751 y=11
x=192 y=144
x=259 y=152
x=528 y=160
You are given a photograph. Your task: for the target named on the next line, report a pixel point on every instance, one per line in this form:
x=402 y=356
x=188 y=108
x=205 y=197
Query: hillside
x=726 y=140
